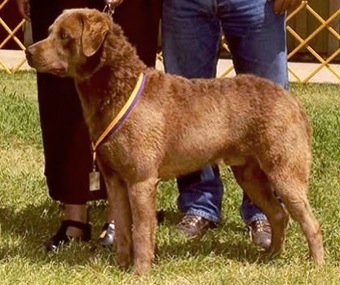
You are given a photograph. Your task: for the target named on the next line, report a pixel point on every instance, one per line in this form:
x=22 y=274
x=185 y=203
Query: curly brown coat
x=177 y=127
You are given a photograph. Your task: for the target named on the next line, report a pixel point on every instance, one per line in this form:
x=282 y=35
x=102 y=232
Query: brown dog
x=176 y=127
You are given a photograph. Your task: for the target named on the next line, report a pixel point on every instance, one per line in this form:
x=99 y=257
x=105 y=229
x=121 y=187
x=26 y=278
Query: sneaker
x=192 y=226
x=107 y=236
x=261 y=233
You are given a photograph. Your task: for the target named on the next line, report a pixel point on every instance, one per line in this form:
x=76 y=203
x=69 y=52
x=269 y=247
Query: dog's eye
x=64 y=35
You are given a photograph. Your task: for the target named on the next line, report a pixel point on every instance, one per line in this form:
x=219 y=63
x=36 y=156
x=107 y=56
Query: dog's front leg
x=142 y=197
x=119 y=204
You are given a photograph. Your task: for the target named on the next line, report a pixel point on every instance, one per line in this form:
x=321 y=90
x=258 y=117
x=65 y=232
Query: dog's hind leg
x=142 y=197
x=256 y=185
x=291 y=184
x=119 y=202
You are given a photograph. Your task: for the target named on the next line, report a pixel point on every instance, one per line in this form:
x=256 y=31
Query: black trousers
x=67 y=149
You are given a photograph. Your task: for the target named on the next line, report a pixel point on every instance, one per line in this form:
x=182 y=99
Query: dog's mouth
x=45 y=65
x=56 y=69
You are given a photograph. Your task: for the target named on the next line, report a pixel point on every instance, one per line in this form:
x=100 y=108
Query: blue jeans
x=191 y=32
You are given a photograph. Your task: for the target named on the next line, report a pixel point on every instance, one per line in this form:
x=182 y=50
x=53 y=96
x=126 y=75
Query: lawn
x=224 y=256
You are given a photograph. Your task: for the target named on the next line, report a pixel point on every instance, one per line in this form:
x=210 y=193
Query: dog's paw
x=274 y=251
x=123 y=261
x=141 y=267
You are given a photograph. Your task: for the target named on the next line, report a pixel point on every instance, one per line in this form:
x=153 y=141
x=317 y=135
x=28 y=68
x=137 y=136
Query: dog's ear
x=95 y=28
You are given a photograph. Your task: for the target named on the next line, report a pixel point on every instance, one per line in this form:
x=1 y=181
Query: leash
x=111 y=5
x=94 y=177
x=114 y=125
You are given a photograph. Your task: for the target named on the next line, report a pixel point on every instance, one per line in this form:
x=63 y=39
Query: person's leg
x=190 y=37
x=66 y=142
x=257 y=41
x=256 y=37
x=140 y=20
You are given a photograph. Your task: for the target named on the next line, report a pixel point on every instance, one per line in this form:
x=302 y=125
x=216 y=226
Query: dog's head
x=73 y=43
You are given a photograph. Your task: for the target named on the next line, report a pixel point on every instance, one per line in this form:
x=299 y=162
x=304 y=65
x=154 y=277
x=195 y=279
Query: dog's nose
x=29 y=51
x=29 y=54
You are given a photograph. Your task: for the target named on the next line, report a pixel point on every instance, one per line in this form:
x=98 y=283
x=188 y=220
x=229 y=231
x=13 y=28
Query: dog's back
x=213 y=118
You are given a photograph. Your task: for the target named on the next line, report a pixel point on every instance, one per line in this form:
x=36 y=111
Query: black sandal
x=61 y=238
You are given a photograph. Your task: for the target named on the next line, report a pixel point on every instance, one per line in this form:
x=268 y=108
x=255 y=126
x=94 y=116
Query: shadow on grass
x=25 y=233
x=229 y=240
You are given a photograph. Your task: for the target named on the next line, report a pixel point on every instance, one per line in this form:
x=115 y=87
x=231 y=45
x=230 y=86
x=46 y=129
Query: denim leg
x=257 y=40
x=249 y=212
x=200 y=194
x=191 y=35
x=190 y=38
x=256 y=37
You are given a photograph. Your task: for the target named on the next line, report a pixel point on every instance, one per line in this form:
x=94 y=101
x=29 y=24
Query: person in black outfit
x=66 y=143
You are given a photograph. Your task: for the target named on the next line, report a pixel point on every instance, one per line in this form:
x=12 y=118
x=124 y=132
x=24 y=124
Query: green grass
x=224 y=256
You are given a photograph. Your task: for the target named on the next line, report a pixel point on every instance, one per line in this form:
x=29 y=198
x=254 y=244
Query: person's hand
x=24 y=9
x=281 y=6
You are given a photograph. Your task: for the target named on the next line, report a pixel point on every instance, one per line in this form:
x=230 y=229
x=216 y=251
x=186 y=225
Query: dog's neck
x=105 y=92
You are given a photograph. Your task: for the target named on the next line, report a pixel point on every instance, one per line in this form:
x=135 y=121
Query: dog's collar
x=122 y=115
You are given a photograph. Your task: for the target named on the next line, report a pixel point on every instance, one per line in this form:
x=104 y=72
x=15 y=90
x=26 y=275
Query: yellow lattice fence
x=305 y=43
x=321 y=61
x=324 y=24
x=10 y=36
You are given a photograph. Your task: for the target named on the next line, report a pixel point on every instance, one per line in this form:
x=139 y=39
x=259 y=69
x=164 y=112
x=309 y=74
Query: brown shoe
x=193 y=226
x=261 y=233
